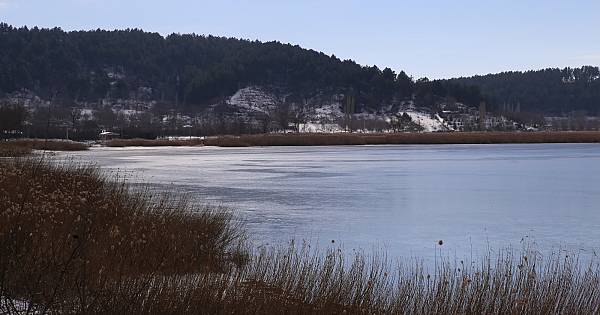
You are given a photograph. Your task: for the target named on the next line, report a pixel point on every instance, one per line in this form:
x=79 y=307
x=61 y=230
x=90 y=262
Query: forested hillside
x=191 y=70
x=194 y=71
x=550 y=91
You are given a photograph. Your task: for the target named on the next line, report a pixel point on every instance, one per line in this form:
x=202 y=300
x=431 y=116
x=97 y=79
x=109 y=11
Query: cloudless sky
x=435 y=38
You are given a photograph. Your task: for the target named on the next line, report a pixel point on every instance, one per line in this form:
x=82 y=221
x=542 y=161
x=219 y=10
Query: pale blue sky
x=437 y=39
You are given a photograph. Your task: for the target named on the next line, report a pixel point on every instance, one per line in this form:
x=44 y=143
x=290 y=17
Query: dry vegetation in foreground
x=69 y=237
x=25 y=146
x=72 y=241
x=311 y=139
x=151 y=143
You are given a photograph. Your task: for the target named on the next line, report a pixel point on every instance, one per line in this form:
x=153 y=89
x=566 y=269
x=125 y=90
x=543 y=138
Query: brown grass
x=314 y=139
x=26 y=145
x=404 y=138
x=11 y=148
x=151 y=143
x=71 y=241
x=67 y=232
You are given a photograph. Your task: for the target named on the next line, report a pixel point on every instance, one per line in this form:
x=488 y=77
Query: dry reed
x=72 y=241
x=11 y=148
x=404 y=138
x=151 y=142
x=67 y=231
x=23 y=146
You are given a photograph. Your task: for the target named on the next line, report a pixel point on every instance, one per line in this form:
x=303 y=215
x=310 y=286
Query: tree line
x=190 y=70
x=553 y=91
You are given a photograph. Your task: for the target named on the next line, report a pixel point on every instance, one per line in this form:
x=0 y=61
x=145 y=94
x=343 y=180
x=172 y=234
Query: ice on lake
x=401 y=199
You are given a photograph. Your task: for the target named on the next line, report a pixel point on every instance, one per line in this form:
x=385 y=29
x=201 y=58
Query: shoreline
x=24 y=146
x=312 y=139
x=111 y=244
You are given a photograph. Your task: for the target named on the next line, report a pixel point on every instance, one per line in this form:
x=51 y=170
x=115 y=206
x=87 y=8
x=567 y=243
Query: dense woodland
x=551 y=91
x=191 y=69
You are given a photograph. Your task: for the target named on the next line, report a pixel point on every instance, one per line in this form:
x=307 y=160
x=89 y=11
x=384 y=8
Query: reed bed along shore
x=67 y=233
x=315 y=139
x=73 y=240
x=11 y=149
x=23 y=147
x=151 y=142
x=312 y=139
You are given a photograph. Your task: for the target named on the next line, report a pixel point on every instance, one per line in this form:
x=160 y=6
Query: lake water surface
x=402 y=199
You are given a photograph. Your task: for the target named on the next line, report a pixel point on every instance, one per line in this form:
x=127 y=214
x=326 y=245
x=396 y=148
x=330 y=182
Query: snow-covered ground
x=317 y=127
x=323 y=114
x=253 y=99
x=129 y=112
x=425 y=121
x=326 y=112
x=185 y=138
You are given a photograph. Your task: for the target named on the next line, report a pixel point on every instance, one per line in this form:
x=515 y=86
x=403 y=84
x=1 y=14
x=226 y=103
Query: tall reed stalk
x=73 y=240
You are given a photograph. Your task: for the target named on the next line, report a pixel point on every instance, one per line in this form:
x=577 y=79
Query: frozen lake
x=399 y=198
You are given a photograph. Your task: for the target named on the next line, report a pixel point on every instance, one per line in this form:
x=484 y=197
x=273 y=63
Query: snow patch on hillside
x=425 y=121
x=318 y=127
x=253 y=99
x=324 y=114
x=327 y=112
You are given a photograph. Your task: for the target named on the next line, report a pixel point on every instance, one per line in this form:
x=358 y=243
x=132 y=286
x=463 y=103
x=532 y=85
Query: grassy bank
x=404 y=138
x=74 y=241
